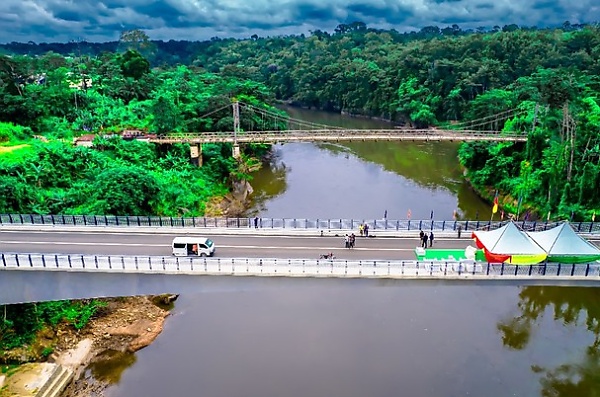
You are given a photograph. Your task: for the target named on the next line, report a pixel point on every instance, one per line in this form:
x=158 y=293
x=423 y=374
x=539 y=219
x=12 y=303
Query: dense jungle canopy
x=544 y=80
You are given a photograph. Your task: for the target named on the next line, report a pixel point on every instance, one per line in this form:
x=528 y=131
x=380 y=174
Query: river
x=308 y=337
x=363 y=180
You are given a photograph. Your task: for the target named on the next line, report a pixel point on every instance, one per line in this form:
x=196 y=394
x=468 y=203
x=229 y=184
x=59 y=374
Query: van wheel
x=203 y=255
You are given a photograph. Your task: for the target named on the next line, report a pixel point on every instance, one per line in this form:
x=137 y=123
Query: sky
x=98 y=21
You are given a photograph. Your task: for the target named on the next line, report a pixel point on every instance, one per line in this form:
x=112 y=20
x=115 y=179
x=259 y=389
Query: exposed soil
x=125 y=325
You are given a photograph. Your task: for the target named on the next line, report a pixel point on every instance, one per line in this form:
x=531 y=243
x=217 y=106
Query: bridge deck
x=335 y=135
x=431 y=269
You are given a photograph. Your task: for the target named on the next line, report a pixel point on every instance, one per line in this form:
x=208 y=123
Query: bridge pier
x=196 y=154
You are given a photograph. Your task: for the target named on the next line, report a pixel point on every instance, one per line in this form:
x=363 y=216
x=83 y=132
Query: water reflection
x=269 y=182
x=429 y=164
x=332 y=181
x=110 y=365
x=362 y=180
x=574 y=307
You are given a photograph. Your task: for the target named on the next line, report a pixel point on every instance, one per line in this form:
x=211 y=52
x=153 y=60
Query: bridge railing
x=282 y=223
x=335 y=134
x=291 y=267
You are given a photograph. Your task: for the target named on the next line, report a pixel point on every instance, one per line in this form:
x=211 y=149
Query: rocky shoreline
x=129 y=325
x=124 y=326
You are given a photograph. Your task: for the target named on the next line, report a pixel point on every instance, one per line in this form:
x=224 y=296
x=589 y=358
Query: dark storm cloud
x=396 y=13
x=313 y=12
x=64 y=20
x=162 y=9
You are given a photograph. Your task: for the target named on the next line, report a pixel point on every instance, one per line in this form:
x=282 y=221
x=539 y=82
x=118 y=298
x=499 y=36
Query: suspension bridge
x=252 y=124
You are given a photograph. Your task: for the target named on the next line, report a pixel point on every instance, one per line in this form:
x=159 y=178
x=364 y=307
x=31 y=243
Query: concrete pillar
x=236 y=151
x=196 y=154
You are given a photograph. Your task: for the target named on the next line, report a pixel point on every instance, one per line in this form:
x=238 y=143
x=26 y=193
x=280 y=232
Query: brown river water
x=316 y=338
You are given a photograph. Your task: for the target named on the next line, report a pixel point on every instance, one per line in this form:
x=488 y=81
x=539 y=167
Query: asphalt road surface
x=227 y=246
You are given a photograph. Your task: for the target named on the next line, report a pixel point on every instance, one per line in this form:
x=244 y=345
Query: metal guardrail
x=293 y=267
x=282 y=223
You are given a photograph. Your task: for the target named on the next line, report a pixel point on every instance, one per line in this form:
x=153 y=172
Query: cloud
x=65 y=20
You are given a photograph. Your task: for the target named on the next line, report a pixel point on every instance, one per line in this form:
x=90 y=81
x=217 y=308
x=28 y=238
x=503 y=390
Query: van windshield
x=209 y=243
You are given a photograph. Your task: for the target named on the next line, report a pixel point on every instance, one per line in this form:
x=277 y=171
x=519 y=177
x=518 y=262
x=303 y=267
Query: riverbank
x=123 y=326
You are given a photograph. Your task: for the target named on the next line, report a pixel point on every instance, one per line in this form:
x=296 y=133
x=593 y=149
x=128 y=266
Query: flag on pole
x=495 y=207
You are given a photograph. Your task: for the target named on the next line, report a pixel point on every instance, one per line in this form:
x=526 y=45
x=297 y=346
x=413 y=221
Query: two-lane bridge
x=86 y=262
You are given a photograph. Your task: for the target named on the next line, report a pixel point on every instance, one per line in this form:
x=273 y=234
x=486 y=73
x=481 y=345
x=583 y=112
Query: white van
x=193 y=246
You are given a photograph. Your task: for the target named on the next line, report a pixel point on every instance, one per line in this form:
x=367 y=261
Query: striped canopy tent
x=563 y=245
x=510 y=245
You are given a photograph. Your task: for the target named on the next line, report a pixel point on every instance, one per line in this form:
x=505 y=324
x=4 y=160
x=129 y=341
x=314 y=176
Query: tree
x=135 y=196
x=134 y=65
x=136 y=40
x=167 y=116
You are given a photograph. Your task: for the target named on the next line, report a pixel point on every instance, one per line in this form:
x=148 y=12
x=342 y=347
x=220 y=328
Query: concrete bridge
x=41 y=277
x=58 y=262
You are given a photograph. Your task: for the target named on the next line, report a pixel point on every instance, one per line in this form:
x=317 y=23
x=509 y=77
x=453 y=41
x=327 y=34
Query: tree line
x=436 y=76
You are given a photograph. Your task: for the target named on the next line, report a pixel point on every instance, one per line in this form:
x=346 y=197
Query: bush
x=14 y=133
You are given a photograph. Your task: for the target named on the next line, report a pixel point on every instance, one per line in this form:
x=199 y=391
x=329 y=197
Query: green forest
x=436 y=76
x=51 y=93
x=44 y=173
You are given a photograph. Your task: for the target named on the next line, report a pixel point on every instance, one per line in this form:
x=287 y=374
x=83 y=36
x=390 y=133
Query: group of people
x=363 y=229
x=350 y=240
x=426 y=238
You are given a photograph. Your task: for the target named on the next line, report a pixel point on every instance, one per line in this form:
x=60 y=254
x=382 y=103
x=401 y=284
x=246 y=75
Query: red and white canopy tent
x=510 y=245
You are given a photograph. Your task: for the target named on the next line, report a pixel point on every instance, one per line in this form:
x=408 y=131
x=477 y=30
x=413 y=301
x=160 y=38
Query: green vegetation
x=20 y=323
x=59 y=98
x=50 y=99
x=431 y=77
x=435 y=76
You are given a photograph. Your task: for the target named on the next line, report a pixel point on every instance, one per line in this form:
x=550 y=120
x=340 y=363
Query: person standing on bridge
x=256 y=222
x=424 y=240
x=366 y=230
x=430 y=239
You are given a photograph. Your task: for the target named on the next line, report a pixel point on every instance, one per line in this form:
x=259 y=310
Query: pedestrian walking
x=256 y=222
x=430 y=239
x=366 y=230
x=421 y=236
x=361 y=229
x=352 y=240
x=424 y=240
x=347 y=241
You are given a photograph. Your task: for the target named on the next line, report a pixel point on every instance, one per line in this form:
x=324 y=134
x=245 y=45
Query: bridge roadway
x=130 y=242
x=337 y=135
x=32 y=286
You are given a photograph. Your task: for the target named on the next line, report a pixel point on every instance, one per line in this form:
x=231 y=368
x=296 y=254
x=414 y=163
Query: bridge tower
x=236 y=128
x=196 y=154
